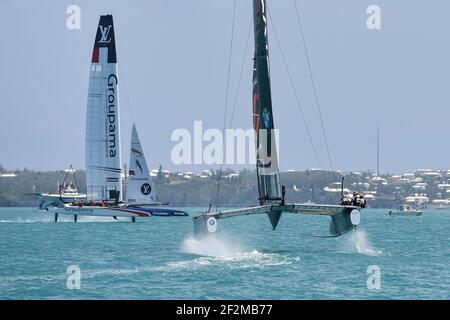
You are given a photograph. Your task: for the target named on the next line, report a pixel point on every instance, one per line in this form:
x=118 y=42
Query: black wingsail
x=271 y=194
x=266 y=149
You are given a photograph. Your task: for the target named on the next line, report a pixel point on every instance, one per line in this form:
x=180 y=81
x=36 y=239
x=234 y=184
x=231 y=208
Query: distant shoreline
x=188 y=189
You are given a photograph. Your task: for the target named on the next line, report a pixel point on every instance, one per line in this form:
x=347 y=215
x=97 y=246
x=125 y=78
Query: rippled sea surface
x=157 y=258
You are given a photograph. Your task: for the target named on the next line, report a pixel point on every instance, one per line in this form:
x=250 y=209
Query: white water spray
x=362 y=243
x=212 y=245
x=219 y=251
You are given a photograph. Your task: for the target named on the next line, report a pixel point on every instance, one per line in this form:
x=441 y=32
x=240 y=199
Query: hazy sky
x=173 y=66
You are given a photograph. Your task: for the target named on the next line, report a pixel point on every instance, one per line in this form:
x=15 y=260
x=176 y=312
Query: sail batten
x=263 y=124
x=103 y=161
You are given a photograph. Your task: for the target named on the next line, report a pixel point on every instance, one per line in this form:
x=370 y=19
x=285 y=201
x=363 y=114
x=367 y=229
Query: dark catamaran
x=272 y=201
x=266 y=150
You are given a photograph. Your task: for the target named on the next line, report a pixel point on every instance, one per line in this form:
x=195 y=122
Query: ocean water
x=157 y=258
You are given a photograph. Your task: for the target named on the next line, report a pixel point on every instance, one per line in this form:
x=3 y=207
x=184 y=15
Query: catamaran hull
x=343 y=218
x=118 y=212
x=161 y=211
x=344 y=222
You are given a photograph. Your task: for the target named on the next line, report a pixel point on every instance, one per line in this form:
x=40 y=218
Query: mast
x=263 y=124
x=378 y=151
x=103 y=163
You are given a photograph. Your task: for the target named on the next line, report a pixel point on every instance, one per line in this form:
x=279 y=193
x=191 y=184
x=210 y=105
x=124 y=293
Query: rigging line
x=296 y=95
x=313 y=84
x=126 y=92
x=238 y=87
x=226 y=97
x=294 y=90
x=67 y=174
x=229 y=67
x=240 y=73
x=130 y=105
x=74 y=178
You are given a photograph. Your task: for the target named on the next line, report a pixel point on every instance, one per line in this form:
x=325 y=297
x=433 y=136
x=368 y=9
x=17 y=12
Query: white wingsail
x=103 y=163
x=139 y=189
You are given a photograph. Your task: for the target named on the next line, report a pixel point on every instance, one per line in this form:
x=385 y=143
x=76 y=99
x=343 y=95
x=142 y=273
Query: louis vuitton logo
x=104 y=31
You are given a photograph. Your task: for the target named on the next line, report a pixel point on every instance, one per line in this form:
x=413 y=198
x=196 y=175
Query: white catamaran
x=344 y=217
x=103 y=155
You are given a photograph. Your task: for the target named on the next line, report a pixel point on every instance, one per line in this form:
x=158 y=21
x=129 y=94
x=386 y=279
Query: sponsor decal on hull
x=104 y=211
x=79 y=209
